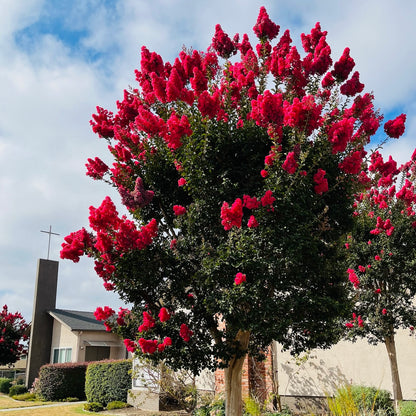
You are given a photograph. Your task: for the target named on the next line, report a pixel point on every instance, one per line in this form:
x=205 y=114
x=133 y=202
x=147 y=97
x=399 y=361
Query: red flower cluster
x=353 y=278
x=290 y=164
x=344 y=66
x=102 y=314
x=252 y=222
x=75 y=245
x=264 y=28
x=352 y=163
x=148 y=346
x=353 y=86
x=304 y=115
x=96 y=168
x=148 y=322
x=179 y=210
x=185 y=333
x=341 y=133
x=232 y=216
x=239 y=278
x=267 y=200
x=355 y=319
x=250 y=203
x=222 y=44
x=395 y=128
x=164 y=315
x=321 y=182
x=381 y=226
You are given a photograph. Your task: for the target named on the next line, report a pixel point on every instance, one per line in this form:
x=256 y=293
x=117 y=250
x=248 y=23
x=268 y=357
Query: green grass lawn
x=7 y=402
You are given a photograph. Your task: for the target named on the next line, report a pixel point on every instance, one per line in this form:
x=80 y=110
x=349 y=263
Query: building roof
x=77 y=320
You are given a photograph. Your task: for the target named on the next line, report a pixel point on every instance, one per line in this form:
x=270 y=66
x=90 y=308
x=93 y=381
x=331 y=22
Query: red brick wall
x=256 y=378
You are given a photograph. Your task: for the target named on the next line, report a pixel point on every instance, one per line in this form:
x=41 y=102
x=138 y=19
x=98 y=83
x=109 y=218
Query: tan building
x=77 y=337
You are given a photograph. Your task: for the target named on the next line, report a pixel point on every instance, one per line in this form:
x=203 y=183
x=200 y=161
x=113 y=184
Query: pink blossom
x=290 y=164
x=395 y=128
x=232 y=216
x=239 y=278
x=182 y=182
x=179 y=210
x=252 y=222
x=264 y=27
x=164 y=315
x=185 y=333
x=321 y=182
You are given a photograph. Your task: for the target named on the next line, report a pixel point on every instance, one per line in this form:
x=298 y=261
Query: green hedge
x=5 y=384
x=59 y=381
x=108 y=381
x=17 y=389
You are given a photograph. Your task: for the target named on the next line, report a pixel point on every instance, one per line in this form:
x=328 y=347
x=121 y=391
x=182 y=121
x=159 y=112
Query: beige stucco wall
x=63 y=337
x=116 y=353
x=320 y=372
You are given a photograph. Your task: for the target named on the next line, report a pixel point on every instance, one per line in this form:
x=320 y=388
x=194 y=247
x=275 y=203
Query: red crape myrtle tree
x=13 y=331
x=382 y=256
x=239 y=176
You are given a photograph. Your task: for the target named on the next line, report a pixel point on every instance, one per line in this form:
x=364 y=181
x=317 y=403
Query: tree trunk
x=232 y=374
x=391 y=351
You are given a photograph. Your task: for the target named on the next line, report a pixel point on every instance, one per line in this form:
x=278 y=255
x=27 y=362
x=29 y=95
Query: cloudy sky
x=60 y=59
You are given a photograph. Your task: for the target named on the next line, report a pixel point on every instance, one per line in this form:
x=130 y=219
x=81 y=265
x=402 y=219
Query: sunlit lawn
x=67 y=410
x=7 y=403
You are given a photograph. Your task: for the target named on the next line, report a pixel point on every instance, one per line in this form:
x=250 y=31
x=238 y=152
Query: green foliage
x=17 y=389
x=407 y=408
x=108 y=381
x=360 y=400
x=26 y=397
x=252 y=406
x=116 y=405
x=59 y=381
x=93 y=407
x=215 y=408
x=5 y=384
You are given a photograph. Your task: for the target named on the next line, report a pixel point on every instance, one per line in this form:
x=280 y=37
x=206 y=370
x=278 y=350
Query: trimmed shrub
x=108 y=381
x=407 y=408
x=17 y=389
x=93 y=407
x=59 y=381
x=372 y=399
x=25 y=397
x=5 y=384
x=117 y=405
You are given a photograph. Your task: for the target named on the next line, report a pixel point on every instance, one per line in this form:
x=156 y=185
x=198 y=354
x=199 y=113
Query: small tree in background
x=239 y=178
x=13 y=331
x=382 y=255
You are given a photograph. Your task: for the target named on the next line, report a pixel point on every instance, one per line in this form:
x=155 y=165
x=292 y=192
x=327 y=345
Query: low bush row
x=102 y=382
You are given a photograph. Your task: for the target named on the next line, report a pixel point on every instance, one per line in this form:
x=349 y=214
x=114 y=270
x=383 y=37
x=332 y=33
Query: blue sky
x=60 y=59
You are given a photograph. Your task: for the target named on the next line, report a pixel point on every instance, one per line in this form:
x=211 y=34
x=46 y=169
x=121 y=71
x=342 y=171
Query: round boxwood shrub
x=93 y=407
x=116 y=405
x=5 y=384
x=108 y=381
x=17 y=389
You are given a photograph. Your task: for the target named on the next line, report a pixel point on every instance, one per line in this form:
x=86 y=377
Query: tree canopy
x=239 y=175
x=382 y=255
x=13 y=331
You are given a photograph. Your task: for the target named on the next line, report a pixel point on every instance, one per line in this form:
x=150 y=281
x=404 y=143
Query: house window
x=62 y=355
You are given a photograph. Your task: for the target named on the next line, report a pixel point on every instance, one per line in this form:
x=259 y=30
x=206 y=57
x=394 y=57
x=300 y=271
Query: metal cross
x=50 y=233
